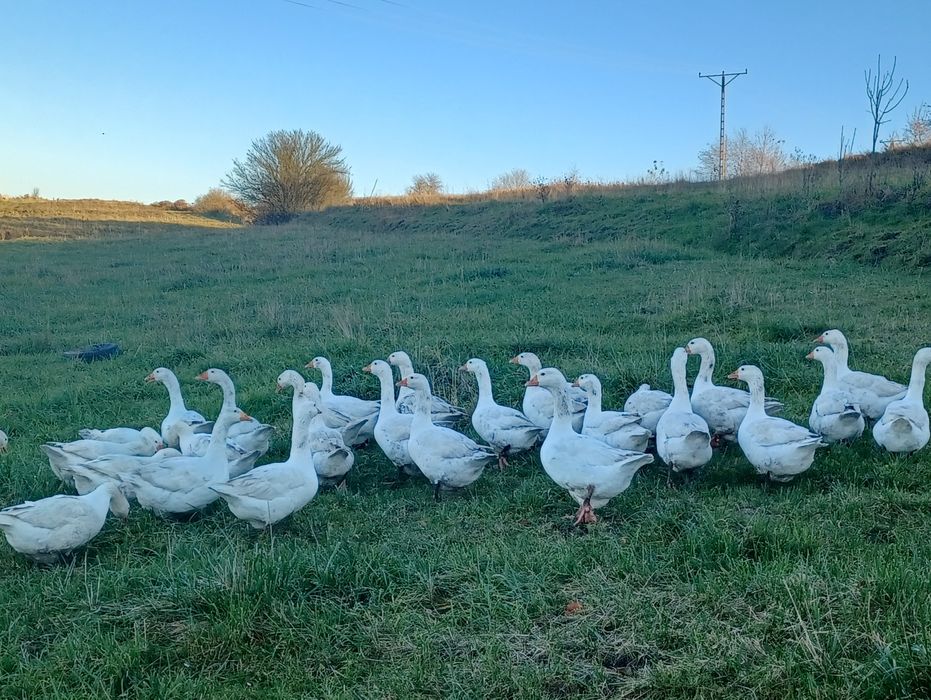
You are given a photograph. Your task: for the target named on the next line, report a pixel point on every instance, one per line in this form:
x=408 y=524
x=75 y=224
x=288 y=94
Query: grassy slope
x=57 y=219
x=716 y=587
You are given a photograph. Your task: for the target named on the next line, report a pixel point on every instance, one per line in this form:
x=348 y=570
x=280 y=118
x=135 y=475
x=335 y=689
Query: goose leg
x=716 y=441
x=342 y=486
x=503 y=457
x=436 y=492
x=585 y=514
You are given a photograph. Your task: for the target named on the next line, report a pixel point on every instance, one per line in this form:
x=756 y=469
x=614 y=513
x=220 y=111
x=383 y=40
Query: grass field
x=717 y=588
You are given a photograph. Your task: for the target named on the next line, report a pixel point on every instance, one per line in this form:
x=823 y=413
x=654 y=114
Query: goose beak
x=514 y=360
x=244 y=416
x=278 y=387
x=733 y=375
x=311 y=365
x=151 y=378
x=688 y=350
x=367 y=368
x=202 y=376
x=819 y=339
x=533 y=381
x=576 y=383
x=402 y=382
x=463 y=369
x=810 y=356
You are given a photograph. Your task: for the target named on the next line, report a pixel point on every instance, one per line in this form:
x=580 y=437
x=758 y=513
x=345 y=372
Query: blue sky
x=153 y=100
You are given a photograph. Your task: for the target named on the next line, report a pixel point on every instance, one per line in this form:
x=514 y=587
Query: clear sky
x=152 y=100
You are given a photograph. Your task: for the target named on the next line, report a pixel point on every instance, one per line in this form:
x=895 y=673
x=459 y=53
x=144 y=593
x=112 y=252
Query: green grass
x=715 y=588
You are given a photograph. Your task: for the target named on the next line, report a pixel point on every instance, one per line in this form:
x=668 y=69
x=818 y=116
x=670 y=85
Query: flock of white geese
x=590 y=452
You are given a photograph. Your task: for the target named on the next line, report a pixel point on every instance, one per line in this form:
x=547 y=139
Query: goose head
x=833 y=337
x=214 y=376
x=698 y=346
x=417 y=382
x=528 y=360
x=320 y=363
x=589 y=383
x=747 y=373
x=289 y=378
x=548 y=378
x=822 y=354
x=159 y=375
x=399 y=358
x=152 y=438
x=379 y=368
x=475 y=366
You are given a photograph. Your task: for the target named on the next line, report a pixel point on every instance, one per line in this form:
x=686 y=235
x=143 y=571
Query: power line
x=722 y=80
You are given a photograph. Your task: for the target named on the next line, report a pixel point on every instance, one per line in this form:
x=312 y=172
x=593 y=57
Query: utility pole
x=723 y=80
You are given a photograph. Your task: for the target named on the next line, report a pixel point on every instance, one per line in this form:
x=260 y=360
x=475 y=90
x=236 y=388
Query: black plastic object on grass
x=100 y=351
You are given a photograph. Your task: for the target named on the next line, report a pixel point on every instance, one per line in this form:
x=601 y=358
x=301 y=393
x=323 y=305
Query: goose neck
x=916 y=384
x=485 y=395
x=705 y=369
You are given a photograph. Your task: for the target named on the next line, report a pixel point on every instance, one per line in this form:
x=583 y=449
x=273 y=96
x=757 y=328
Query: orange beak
x=687 y=350
x=514 y=360
x=733 y=375
x=244 y=416
x=810 y=356
x=402 y=382
x=367 y=368
x=202 y=376
x=463 y=369
x=151 y=378
x=819 y=339
x=575 y=383
x=533 y=381
x=278 y=388
x=311 y=365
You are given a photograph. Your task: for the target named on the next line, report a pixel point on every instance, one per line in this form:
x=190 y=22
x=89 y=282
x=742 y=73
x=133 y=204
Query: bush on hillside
x=288 y=172
x=220 y=204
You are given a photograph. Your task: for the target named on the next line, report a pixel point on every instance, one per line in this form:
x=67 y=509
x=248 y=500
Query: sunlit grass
x=714 y=588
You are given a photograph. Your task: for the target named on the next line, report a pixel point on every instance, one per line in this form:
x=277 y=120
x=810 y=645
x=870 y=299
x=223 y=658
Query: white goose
x=774 y=446
x=272 y=492
x=362 y=414
x=85 y=476
x=722 y=407
x=904 y=424
x=393 y=429
x=442 y=411
x=449 y=460
x=683 y=438
x=649 y=404
x=871 y=392
x=506 y=429
x=591 y=471
x=538 y=402
x=181 y=485
x=834 y=415
x=331 y=457
x=618 y=429
x=63 y=455
x=197 y=444
x=51 y=528
x=4 y=442
x=112 y=434
x=177 y=411
x=249 y=435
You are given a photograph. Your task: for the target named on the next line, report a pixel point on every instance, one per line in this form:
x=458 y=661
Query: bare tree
x=759 y=154
x=883 y=98
x=288 y=172
x=426 y=184
x=516 y=179
x=918 y=127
